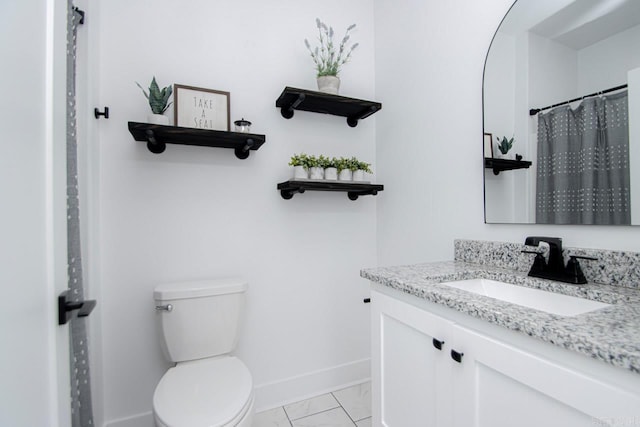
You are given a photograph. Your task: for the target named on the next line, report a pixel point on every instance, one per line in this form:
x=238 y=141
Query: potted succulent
x=505 y=145
x=345 y=172
x=300 y=168
x=316 y=166
x=331 y=169
x=329 y=58
x=158 y=101
x=361 y=169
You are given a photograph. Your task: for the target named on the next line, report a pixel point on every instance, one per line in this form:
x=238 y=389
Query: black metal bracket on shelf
x=243 y=152
x=155 y=146
x=287 y=111
x=288 y=194
x=353 y=195
x=353 y=189
x=67 y=310
x=353 y=109
x=352 y=121
x=97 y=113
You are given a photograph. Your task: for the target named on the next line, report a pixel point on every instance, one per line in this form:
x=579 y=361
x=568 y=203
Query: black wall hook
x=81 y=13
x=67 y=310
x=97 y=113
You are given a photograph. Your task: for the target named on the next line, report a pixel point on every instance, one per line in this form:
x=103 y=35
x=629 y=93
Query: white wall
x=606 y=63
x=434 y=183
x=499 y=120
x=197 y=212
x=553 y=68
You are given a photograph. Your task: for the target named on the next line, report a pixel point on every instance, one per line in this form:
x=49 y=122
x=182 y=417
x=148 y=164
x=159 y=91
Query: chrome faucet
x=553 y=267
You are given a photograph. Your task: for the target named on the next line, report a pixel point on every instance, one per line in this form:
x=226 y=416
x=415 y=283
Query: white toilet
x=208 y=387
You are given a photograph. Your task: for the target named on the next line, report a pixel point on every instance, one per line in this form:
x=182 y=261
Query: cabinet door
x=498 y=385
x=409 y=374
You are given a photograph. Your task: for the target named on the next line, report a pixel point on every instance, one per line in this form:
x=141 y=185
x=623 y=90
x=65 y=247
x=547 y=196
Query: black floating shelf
x=157 y=136
x=318 y=102
x=500 y=165
x=353 y=189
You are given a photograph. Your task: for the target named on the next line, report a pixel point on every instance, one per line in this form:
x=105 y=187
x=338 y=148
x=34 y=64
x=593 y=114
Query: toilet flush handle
x=167 y=307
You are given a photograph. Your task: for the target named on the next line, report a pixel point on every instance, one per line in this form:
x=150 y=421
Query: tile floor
x=348 y=407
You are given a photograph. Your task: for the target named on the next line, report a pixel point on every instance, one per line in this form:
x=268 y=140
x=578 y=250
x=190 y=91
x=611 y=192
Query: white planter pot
x=158 y=119
x=358 y=175
x=331 y=174
x=316 y=173
x=345 y=175
x=300 y=172
x=498 y=154
x=329 y=84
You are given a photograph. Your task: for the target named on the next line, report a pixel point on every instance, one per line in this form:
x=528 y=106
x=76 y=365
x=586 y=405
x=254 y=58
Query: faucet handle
x=574 y=270
x=538 y=262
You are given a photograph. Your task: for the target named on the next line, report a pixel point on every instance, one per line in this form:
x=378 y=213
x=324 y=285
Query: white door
x=34 y=361
x=409 y=373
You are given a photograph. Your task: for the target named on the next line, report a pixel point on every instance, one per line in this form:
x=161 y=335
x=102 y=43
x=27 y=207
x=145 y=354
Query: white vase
x=345 y=175
x=300 y=172
x=331 y=174
x=329 y=84
x=158 y=119
x=316 y=173
x=358 y=175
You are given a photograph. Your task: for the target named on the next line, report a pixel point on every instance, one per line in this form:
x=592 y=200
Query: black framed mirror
x=561 y=102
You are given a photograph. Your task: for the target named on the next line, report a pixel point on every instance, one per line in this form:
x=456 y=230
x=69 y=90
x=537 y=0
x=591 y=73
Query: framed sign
x=200 y=108
x=488 y=145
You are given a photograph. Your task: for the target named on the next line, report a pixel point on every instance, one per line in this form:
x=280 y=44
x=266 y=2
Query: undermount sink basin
x=550 y=302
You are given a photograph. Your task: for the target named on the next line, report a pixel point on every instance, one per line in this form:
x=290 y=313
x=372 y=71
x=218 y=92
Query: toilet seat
x=204 y=393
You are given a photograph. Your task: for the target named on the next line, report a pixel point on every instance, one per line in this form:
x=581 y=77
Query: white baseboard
x=293 y=389
x=140 y=420
x=283 y=392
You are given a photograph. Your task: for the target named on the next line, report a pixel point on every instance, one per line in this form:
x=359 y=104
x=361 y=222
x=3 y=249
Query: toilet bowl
x=208 y=387
x=208 y=392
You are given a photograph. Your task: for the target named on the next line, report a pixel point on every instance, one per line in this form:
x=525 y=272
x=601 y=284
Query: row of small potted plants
x=320 y=167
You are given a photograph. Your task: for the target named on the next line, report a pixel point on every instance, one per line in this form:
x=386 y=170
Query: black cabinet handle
x=366 y=300
x=438 y=344
x=456 y=356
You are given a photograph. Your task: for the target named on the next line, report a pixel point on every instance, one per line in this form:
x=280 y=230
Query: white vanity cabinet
x=503 y=379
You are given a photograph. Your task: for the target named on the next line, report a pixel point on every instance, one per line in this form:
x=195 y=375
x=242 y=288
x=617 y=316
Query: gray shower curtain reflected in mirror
x=81 y=408
x=583 y=163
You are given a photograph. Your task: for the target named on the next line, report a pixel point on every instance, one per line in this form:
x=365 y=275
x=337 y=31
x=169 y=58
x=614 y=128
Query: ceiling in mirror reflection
x=547 y=52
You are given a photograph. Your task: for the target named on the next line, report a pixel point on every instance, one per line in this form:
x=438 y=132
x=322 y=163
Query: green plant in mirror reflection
x=505 y=144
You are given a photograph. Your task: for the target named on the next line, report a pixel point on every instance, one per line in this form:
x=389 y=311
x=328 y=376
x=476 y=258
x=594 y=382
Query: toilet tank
x=204 y=317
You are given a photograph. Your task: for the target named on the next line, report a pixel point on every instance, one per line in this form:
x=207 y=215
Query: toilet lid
x=206 y=392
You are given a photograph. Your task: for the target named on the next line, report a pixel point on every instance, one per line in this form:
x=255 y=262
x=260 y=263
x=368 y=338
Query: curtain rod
x=535 y=111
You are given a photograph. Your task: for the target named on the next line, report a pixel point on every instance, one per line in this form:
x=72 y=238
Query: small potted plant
x=344 y=169
x=158 y=101
x=331 y=169
x=329 y=57
x=505 y=145
x=316 y=166
x=299 y=163
x=361 y=169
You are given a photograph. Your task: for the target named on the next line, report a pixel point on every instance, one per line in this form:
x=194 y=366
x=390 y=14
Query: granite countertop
x=610 y=334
